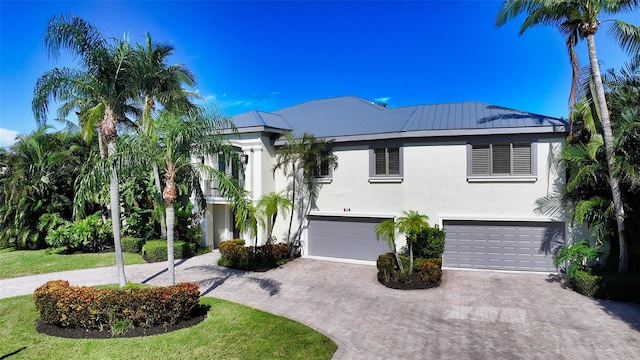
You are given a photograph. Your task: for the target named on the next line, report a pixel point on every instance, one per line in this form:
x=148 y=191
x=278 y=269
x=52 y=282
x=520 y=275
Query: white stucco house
x=474 y=169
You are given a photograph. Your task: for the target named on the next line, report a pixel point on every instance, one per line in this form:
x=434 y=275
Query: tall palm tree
x=104 y=78
x=160 y=83
x=411 y=223
x=303 y=156
x=577 y=20
x=386 y=230
x=179 y=139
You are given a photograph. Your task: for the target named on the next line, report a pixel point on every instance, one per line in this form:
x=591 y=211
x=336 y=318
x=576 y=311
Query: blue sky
x=268 y=55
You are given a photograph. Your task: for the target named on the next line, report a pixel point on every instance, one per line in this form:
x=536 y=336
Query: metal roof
x=355 y=118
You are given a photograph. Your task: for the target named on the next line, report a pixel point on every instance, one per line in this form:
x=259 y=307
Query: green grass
x=32 y=262
x=231 y=331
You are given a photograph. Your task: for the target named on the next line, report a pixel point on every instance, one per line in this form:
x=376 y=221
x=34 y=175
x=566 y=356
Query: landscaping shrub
x=609 y=286
x=156 y=250
x=429 y=243
x=132 y=244
x=234 y=254
x=427 y=272
x=90 y=234
x=85 y=307
x=430 y=270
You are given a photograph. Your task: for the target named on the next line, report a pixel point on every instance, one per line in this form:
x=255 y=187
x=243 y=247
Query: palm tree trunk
x=170 y=254
x=410 y=255
x=610 y=154
x=156 y=179
x=293 y=201
x=395 y=253
x=109 y=131
x=169 y=195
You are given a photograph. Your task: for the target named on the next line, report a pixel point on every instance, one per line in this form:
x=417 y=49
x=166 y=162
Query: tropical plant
x=386 y=230
x=268 y=208
x=99 y=89
x=577 y=20
x=303 y=156
x=160 y=83
x=179 y=139
x=411 y=224
x=36 y=178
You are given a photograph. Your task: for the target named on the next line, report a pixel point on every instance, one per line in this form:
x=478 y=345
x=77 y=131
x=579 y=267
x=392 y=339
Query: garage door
x=502 y=245
x=347 y=238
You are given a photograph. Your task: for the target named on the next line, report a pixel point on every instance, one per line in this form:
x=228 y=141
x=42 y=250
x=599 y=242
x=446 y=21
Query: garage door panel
x=502 y=244
x=349 y=238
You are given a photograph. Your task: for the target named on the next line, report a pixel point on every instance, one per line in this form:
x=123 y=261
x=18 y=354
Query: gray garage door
x=502 y=245
x=348 y=238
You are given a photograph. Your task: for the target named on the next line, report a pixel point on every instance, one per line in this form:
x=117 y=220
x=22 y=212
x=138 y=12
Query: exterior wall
x=434 y=183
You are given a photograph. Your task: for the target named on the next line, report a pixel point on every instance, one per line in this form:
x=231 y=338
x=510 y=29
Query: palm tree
x=268 y=208
x=411 y=224
x=36 y=178
x=99 y=89
x=576 y=20
x=160 y=83
x=386 y=230
x=304 y=156
x=179 y=139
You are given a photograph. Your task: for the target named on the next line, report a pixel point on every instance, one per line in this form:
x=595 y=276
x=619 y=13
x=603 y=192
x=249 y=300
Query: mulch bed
x=413 y=283
x=81 y=333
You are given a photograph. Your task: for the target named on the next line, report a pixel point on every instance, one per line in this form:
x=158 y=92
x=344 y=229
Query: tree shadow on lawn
x=221 y=275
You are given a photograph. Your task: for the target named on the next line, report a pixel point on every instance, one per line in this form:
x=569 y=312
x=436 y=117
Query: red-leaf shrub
x=86 y=307
x=234 y=254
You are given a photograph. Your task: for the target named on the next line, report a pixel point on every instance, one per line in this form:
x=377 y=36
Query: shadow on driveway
x=220 y=275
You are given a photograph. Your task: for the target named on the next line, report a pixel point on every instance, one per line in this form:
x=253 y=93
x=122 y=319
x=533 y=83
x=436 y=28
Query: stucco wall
x=434 y=183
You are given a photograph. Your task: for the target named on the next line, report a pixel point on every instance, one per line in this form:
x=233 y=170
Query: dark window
x=322 y=168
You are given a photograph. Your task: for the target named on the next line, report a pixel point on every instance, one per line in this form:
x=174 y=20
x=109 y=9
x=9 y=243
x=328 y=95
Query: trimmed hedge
x=609 y=286
x=156 y=250
x=131 y=244
x=85 y=307
x=235 y=255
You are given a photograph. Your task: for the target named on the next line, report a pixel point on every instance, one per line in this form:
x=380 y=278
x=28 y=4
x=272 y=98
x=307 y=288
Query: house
x=474 y=169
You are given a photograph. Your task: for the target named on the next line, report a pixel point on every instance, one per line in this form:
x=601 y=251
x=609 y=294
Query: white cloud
x=382 y=99
x=7 y=137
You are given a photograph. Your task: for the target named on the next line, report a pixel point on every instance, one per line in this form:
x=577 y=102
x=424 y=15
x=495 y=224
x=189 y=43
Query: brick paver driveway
x=472 y=315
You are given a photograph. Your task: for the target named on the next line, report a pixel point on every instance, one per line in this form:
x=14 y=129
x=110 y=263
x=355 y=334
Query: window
x=322 y=169
x=386 y=161
x=502 y=159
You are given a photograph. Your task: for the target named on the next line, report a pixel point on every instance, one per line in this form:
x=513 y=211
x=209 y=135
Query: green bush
x=138 y=223
x=234 y=254
x=429 y=243
x=581 y=254
x=90 y=234
x=85 y=307
x=132 y=244
x=156 y=250
x=609 y=286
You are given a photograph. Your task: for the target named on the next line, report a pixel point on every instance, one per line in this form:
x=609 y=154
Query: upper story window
x=502 y=159
x=323 y=168
x=385 y=163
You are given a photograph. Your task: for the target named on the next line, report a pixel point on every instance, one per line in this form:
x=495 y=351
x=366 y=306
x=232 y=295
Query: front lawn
x=231 y=331
x=32 y=262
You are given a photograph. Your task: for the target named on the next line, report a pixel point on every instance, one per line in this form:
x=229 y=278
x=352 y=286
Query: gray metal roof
x=350 y=117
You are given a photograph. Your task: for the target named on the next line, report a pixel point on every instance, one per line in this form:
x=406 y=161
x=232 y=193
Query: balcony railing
x=211 y=188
